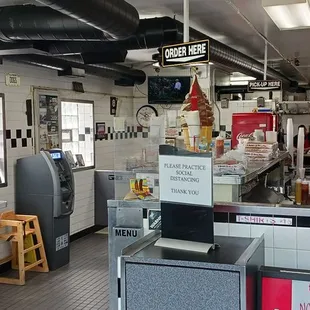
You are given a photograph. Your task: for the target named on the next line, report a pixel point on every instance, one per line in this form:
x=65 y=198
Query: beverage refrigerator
x=244 y=124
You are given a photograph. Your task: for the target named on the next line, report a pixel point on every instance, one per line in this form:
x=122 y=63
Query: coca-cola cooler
x=244 y=124
x=283 y=289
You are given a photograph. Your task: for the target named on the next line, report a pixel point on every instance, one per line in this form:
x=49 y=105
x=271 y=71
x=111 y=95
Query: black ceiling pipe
x=156 y=32
x=111 y=71
x=114 y=17
x=29 y=22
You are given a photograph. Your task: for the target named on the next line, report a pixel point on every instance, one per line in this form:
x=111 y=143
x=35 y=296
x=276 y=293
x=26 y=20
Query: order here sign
x=186 y=179
x=185 y=53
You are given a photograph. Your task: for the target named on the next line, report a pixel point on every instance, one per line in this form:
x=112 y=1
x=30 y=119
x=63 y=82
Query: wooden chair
x=21 y=227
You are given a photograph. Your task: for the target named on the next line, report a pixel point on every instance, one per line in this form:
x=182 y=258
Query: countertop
x=232 y=251
x=254 y=169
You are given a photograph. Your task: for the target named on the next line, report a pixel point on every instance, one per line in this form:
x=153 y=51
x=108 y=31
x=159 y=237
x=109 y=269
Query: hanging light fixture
x=288 y=14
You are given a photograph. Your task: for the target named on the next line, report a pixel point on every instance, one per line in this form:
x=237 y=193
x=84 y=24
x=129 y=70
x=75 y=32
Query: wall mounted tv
x=164 y=89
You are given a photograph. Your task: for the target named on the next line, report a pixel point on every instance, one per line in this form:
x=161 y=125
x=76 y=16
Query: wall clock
x=144 y=115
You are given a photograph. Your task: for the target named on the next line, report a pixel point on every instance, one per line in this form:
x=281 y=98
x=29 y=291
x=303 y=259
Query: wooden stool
x=22 y=227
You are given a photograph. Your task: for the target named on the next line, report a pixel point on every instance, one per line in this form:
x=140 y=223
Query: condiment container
x=304 y=192
x=219 y=147
x=298 y=191
x=259 y=135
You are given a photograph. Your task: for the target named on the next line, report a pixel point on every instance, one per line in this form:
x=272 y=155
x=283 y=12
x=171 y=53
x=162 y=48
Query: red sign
x=285 y=294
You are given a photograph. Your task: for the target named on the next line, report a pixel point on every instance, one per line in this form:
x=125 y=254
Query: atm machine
x=45 y=187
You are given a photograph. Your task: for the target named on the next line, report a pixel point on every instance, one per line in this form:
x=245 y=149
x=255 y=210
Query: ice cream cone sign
x=194 y=94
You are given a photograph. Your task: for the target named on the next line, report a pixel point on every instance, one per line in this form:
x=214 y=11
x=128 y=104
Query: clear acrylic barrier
x=136 y=156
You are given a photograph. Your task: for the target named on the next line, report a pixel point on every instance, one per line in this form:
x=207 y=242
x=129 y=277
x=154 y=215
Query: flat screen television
x=163 y=89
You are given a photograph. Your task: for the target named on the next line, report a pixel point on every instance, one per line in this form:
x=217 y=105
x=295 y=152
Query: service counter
x=286 y=231
x=235 y=188
x=157 y=278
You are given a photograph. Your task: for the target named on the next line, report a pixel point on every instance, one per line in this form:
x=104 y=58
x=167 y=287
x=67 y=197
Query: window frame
x=4 y=184
x=61 y=100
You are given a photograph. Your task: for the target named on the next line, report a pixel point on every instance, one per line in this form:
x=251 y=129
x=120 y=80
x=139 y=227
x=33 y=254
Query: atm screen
x=56 y=156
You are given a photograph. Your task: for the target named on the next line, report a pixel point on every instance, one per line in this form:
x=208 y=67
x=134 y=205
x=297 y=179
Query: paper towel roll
x=300 y=148
x=290 y=138
x=192 y=118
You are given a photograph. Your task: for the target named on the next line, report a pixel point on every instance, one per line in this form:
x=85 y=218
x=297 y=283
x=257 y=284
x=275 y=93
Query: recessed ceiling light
x=288 y=14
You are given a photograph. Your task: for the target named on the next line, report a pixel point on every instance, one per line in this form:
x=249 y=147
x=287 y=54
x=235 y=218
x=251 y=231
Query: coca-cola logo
x=243 y=135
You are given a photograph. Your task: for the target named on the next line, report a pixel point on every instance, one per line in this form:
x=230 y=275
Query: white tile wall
x=269 y=257
x=284 y=246
x=303 y=260
x=96 y=89
x=303 y=239
x=285 y=258
x=285 y=238
x=221 y=229
x=239 y=230
x=258 y=230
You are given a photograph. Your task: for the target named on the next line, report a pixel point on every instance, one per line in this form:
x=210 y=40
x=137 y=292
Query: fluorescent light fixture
x=242 y=78
x=288 y=14
x=234 y=83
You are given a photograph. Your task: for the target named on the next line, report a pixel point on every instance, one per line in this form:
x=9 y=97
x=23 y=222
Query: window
x=77 y=132
x=3 y=171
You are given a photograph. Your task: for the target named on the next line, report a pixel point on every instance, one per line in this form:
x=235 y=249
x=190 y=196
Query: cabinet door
x=155 y=287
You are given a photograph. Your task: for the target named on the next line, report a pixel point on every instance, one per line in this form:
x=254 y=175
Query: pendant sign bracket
x=186 y=53
x=264 y=85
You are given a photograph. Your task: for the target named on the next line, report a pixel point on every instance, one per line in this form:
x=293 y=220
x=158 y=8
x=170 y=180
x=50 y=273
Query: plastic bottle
x=203 y=145
x=219 y=147
x=298 y=191
x=304 y=192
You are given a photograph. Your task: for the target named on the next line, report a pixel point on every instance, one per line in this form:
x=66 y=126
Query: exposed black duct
x=112 y=71
x=115 y=17
x=29 y=22
x=156 y=32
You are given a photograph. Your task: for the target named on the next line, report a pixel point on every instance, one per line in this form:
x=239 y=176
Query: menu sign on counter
x=185 y=53
x=186 y=179
x=262 y=85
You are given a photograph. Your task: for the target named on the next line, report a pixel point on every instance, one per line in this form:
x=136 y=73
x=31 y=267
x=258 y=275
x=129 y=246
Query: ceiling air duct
x=117 y=18
x=112 y=71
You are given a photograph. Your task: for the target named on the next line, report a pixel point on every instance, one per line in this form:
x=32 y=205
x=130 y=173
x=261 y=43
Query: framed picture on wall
x=80 y=160
x=100 y=131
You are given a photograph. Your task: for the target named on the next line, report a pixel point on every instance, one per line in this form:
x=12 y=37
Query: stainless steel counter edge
x=257 y=169
x=224 y=207
x=249 y=252
x=248 y=208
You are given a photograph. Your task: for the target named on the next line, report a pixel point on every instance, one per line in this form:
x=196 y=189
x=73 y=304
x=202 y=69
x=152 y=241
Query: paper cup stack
x=193 y=125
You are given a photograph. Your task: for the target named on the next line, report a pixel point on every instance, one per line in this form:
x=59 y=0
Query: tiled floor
x=83 y=284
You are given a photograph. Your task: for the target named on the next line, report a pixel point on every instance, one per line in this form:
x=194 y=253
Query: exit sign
x=12 y=79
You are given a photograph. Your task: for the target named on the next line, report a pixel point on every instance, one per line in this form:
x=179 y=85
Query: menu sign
x=186 y=179
x=285 y=294
x=185 y=53
x=264 y=85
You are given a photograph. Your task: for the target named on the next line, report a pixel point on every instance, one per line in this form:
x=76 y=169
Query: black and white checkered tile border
x=132 y=132
x=19 y=138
